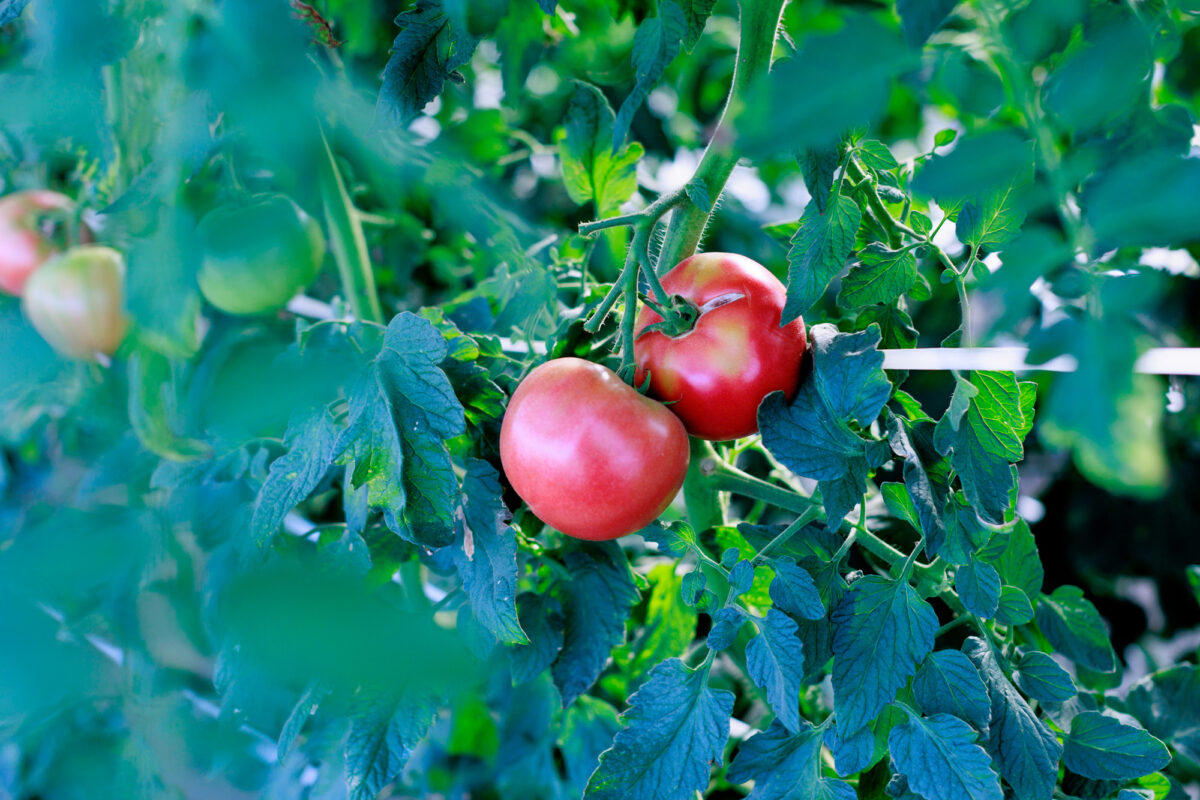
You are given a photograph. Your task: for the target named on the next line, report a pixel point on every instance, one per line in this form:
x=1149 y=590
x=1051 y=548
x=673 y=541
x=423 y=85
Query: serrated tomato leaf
x=881 y=631
x=673 y=733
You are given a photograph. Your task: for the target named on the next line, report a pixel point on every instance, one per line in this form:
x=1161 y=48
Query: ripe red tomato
x=715 y=375
x=588 y=454
x=24 y=241
x=77 y=302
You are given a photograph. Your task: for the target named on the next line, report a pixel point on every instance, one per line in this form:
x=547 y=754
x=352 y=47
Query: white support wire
x=1157 y=361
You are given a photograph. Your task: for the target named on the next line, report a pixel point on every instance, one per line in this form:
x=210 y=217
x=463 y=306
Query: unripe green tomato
x=258 y=253
x=77 y=302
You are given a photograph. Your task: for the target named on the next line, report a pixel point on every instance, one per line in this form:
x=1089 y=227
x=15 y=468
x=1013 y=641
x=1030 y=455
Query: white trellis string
x=1157 y=361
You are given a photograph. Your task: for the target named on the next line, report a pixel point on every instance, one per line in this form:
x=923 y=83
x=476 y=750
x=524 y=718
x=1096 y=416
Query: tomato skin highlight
x=714 y=376
x=77 y=302
x=589 y=455
x=24 y=248
x=259 y=252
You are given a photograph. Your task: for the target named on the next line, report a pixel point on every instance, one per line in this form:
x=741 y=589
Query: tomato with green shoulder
x=77 y=302
x=258 y=253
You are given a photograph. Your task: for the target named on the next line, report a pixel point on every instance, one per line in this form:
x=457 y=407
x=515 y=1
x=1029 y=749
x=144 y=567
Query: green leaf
x=10 y=10
x=1076 y=629
x=426 y=53
x=841 y=89
x=310 y=440
x=941 y=761
x=727 y=622
x=670 y=624
x=920 y=19
x=993 y=222
x=541 y=617
x=1146 y=201
x=807 y=438
x=592 y=171
x=596 y=603
x=154 y=396
x=895 y=325
x=401 y=414
x=818 y=165
x=305 y=707
x=1024 y=748
x=485 y=554
x=848 y=372
x=1165 y=702
x=876 y=155
x=948 y=683
x=1109 y=417
x=818 y=252
x=978 y=586
x=1039 y=676
x=384 y=729
x=881 y=631
x=1105 y=78
x=587 y=729
x=1014 y=555
x=696 y=13
x=979 y=166
x=944 y=137
x=657 y=41
x=1015 y=607
x=985 y=441
x=924 y=479
x=1101 y=747
x=520 y=38
x=793 y=591
x=674 y=729
x=786 y=766
x=775 y=661
x=879 y=276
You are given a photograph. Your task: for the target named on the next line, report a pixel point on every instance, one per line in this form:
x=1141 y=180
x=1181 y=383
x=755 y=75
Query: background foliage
x=275 y=556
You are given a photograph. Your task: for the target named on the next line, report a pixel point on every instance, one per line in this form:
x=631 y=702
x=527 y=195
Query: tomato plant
x=27 y=222
x=388 y=491
x=716 y=373
x=588 y=454
x=77 y=302
x=258 y=252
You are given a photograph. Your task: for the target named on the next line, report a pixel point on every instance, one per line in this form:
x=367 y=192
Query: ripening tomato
x=27 y=221
x=715 y=375
x=259 y=252
x=588 y=454
x=77 y=302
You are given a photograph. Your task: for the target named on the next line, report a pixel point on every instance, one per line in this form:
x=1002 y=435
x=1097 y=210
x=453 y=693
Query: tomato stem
x=759 y=26
x=705 y=507
x=875 y=203
x=784 y=536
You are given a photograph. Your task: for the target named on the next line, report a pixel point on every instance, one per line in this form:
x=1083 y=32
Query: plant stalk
x=759 y=24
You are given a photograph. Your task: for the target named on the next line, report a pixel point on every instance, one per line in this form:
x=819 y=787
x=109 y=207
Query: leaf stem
x=951 y=625
x=348 y=243
x=787 y=533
